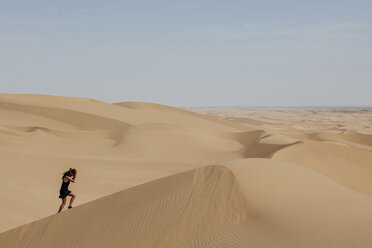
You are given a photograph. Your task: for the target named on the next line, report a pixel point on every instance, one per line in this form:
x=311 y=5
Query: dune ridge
x=183 y=207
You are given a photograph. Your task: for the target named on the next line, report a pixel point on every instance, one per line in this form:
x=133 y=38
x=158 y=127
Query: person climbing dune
x=68 y=176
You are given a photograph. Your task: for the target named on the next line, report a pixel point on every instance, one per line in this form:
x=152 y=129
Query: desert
x=152 y=175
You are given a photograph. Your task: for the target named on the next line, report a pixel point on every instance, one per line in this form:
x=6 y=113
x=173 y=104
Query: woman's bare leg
x=62 y=204
x=73 y=196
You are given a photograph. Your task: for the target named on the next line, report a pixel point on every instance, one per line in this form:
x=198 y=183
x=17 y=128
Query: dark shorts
x=64 y=193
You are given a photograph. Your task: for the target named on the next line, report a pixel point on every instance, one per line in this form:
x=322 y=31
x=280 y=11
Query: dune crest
x=169 y=212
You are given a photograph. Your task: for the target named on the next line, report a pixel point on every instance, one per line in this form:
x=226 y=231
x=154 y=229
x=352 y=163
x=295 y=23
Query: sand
x=151 y=175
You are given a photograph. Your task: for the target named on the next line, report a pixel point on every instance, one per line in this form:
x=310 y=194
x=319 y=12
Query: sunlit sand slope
x=169 y=212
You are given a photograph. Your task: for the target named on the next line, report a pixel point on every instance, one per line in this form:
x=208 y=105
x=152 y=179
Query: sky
x=190 y=53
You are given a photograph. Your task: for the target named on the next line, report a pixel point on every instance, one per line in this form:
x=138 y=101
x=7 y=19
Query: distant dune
x=157 y=176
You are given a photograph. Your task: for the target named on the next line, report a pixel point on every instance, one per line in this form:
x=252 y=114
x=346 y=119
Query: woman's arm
x=71 y=179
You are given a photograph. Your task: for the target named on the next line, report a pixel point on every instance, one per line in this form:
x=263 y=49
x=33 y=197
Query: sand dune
x=157 y=176
x=215 y=206
x=169 y=212
x=348 y=166
x=356 y=139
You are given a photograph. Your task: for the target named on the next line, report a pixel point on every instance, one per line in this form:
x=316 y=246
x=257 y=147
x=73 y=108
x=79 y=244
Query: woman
x=68 y=176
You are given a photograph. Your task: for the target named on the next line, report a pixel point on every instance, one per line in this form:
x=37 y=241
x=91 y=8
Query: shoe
x=69 y=207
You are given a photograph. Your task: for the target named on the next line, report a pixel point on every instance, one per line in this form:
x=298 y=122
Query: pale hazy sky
x=190 y=53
